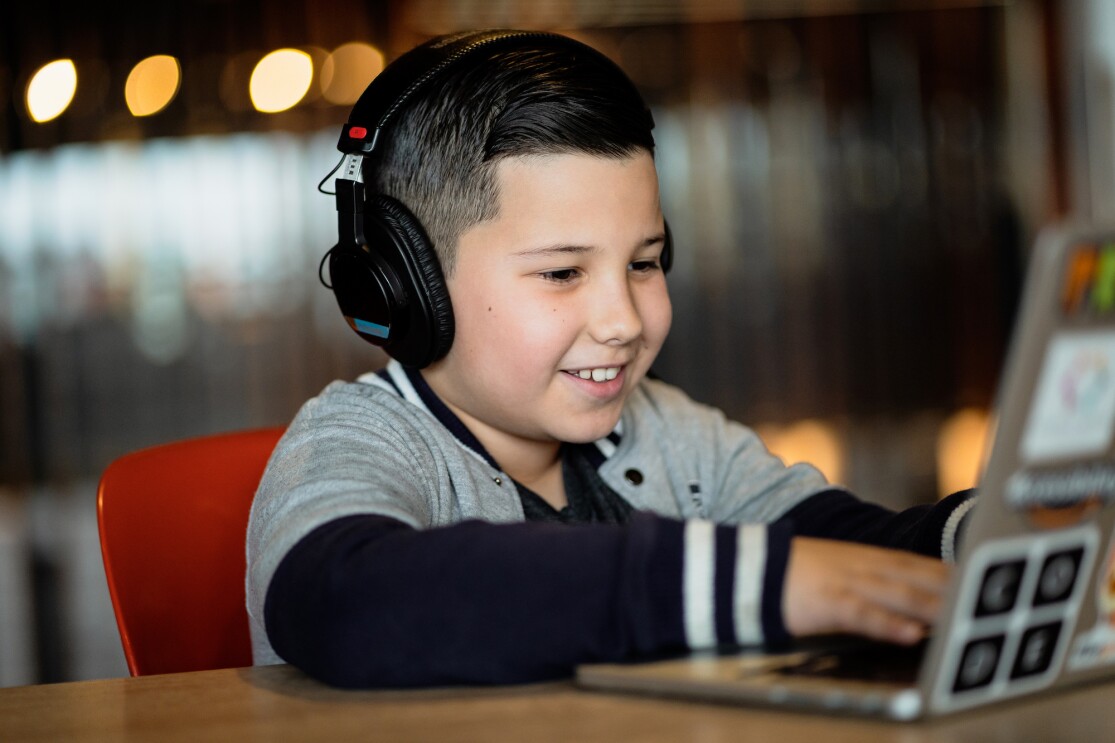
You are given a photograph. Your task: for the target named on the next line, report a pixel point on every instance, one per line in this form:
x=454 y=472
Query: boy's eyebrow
x=547 y=250
x=565 y=249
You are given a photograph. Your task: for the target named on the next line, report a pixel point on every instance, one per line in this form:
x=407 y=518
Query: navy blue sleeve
x=366 y=601
x=836 y=514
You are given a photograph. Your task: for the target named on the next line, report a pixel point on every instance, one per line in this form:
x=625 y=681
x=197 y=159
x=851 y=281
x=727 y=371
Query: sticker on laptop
x=1073 y=413
x=1059 y=497
x=1096 y=647
x=1089 y=286
x=1018 y=602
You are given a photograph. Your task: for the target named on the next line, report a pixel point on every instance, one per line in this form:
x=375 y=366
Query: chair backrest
x=173 y=521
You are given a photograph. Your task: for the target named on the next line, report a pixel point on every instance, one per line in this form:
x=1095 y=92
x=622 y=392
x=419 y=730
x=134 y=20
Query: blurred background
x=853 y=187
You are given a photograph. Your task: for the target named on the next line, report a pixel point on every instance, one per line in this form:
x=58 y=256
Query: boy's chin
x=589 y=433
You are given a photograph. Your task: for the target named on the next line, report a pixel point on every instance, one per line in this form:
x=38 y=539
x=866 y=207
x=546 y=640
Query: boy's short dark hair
x=440 y=155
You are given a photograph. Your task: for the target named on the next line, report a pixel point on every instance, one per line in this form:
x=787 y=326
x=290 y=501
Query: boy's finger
x=926 y=572
x=865 y=617
x=903 y=597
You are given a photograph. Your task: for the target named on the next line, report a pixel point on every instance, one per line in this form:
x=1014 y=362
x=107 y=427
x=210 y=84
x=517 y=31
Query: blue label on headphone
x=370 y=328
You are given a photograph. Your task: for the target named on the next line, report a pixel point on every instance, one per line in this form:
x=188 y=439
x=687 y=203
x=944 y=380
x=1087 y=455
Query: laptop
x=1031 y=603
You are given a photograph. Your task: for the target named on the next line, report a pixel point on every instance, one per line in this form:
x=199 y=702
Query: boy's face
x=564 y=283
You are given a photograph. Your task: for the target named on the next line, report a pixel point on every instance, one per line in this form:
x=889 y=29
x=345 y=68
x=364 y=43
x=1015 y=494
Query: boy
x=528 y=500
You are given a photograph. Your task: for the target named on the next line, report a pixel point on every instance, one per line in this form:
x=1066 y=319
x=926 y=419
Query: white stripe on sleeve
x=697 y=583
x=751 y=562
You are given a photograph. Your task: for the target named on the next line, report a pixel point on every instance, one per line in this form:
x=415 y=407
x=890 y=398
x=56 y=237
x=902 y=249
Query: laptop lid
x=1033 y=603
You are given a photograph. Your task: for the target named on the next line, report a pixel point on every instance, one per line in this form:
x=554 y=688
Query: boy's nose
x=615 y=316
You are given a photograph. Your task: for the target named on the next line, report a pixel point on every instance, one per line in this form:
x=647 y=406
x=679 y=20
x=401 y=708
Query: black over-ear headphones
x=384 y=271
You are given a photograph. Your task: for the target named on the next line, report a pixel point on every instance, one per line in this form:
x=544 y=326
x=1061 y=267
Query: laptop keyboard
x=879 y=662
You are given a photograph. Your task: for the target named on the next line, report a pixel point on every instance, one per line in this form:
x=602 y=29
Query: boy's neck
x=550 y=486
x=535 y=464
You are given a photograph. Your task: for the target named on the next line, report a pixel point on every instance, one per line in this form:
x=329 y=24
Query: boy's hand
x=882 y=593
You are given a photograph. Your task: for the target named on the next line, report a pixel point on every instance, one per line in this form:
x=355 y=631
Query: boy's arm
x=740 y=481
x=931 y=529
x=369 y=601
x=831 y=586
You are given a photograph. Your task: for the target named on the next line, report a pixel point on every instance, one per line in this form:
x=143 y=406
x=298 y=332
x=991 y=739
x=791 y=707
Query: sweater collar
x=409 y=384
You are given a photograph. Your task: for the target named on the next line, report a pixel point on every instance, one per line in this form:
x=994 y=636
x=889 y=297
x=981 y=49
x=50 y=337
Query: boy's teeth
x=601 y=374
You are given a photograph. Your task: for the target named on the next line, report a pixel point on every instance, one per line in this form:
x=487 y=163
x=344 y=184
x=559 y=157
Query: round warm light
x=348 y=70
x=280 y=80
x=51 y=90
x=152 y=85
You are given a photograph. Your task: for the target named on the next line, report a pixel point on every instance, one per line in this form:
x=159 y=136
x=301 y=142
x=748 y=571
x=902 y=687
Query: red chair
x=172 y=522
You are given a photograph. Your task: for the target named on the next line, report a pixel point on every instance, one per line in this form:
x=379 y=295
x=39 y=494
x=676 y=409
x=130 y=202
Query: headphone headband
x=393 y=88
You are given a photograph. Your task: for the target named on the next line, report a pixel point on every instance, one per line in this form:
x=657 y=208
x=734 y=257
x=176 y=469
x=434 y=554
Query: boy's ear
x=390 y=287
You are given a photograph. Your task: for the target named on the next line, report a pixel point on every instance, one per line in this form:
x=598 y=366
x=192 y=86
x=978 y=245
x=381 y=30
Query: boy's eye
x=560 y=275
x=644 y=266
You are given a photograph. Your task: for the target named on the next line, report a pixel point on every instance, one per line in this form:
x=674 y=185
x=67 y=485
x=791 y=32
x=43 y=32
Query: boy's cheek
x=658 y=317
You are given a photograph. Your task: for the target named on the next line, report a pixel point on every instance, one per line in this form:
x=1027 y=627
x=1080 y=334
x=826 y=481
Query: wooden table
x=278 y=703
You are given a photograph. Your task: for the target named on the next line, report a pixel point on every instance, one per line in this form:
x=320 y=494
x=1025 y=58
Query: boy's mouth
x=597 y=374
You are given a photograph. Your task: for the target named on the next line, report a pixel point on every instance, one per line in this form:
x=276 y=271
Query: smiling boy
x=530 y=500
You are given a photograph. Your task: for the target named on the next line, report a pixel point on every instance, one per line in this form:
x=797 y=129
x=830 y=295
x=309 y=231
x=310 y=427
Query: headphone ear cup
x=396 y=235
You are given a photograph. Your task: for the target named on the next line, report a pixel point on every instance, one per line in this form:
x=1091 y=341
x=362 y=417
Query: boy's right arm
x=368 y=601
